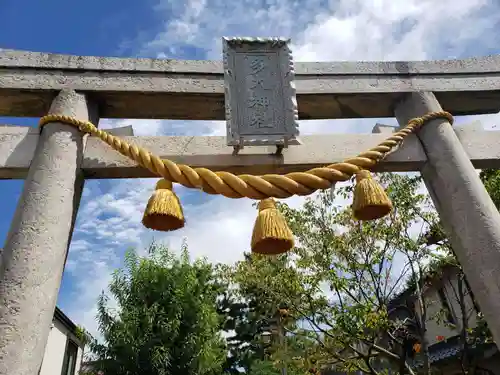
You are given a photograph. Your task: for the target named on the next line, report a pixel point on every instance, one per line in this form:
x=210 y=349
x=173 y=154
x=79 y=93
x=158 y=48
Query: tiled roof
x=444 y=353
x=450 y=348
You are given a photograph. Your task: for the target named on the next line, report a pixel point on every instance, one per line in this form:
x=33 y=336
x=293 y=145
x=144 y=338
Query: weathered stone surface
x=17 y=146
x=176 y=89
x=467 y=212
x=27 y=59
x=35 y=250
x=260 y=100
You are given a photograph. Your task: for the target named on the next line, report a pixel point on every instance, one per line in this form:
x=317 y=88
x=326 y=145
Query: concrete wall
x=55 y=349
x=449 y=282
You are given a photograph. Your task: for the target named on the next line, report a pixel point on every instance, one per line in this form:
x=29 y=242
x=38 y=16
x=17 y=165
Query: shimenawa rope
x=244 y=185
x=271 y=234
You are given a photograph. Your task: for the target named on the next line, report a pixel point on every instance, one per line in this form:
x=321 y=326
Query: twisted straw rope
x=244 y=185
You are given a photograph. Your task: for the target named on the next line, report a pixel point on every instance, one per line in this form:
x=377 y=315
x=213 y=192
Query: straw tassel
x=370 y=200
x=271 y=234
x=164 y=210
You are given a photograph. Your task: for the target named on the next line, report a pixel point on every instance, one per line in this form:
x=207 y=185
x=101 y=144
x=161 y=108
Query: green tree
x=166 y=320
x=252 y=315
x=491 y=181
x=245 y=320
x=265 y=367
x=340 y=279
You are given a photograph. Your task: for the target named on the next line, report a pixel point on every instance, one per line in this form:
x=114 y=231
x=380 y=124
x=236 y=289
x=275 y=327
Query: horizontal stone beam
x=10 y=58
x=193 y=90
x=17 y=145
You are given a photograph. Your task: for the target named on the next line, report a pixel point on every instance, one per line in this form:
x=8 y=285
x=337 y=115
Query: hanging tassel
x=370 y=200
x=164 y=210
x=271 y=234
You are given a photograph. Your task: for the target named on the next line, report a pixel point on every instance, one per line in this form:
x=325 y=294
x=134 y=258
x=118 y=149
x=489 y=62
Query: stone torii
x=55 y=162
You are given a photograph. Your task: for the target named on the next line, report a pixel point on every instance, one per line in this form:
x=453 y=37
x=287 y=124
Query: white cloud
x=321 y=30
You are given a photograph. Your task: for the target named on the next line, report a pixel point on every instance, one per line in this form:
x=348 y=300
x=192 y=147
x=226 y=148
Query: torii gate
x=56 y=161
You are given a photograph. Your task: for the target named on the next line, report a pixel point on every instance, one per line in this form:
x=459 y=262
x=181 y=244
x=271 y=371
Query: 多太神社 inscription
x=260 y=86
x=261 y=104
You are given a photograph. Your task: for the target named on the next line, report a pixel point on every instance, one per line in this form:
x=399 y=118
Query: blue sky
x=321 y=30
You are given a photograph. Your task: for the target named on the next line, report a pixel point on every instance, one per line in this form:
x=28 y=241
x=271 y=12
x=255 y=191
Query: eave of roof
x=67 y=322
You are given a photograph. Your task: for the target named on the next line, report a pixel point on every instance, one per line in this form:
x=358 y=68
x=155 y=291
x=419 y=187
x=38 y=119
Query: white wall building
x=64 y=351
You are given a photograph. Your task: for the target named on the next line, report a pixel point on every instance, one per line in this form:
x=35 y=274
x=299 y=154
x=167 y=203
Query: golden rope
x=244 y=185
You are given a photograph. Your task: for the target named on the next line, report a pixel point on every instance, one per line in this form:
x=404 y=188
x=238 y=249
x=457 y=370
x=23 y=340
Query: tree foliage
x=165 y=321
x=491 y=181
x=355 y=295
x=340 y=280
x=246 y=320
x=357 y=292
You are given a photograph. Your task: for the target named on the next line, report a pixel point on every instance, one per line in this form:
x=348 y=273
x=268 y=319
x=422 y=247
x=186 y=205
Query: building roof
x=67 y=322
x=408 y=293
x=450 y=348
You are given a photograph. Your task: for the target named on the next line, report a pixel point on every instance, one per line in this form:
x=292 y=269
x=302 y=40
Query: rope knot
x=164 y=184
x=362 y=174
x=266 y=204
x=86 y=127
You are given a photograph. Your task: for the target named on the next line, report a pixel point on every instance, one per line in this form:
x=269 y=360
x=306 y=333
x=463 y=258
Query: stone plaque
x=260 y=99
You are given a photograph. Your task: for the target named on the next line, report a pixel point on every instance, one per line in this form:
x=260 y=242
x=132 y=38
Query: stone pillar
x=37 y=243
x=469 y=216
